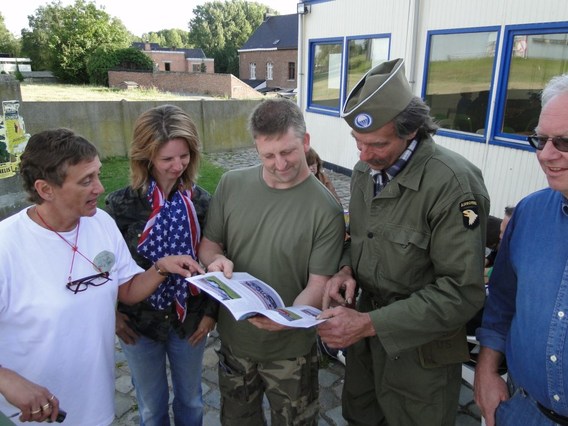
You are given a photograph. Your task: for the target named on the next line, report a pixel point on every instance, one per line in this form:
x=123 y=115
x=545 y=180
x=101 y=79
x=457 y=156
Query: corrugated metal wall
x=510 y=174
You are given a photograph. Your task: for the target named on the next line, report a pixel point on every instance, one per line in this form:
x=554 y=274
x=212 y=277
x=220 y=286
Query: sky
x=138 y=16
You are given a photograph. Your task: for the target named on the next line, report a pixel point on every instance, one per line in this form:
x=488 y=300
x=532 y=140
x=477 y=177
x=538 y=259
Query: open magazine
x=246 y=296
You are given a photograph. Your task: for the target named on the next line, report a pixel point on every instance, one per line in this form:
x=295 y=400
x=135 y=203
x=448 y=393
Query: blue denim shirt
x=526 y=314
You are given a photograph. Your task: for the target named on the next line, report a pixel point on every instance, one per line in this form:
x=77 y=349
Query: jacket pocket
x=404 y=258
x=450 y=349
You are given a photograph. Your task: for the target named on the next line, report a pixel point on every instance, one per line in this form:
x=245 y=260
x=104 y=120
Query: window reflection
x=535 y=59
x=326 y=68
x=364 y=54
x=460 y=67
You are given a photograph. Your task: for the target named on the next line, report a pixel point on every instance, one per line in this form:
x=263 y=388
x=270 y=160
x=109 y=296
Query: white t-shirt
x=51 y=336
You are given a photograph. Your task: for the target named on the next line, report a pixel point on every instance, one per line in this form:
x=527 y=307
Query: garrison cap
x=378 y=97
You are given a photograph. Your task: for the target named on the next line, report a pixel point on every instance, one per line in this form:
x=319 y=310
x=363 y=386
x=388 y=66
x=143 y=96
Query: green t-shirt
x=280 y=236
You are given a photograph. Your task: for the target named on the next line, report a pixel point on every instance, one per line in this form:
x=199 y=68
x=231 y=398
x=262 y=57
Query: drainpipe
x=299 y=70
x=413 y=41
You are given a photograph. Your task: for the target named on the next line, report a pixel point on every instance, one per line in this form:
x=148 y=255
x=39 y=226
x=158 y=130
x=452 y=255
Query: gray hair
x=415 y=117
x=556 y=86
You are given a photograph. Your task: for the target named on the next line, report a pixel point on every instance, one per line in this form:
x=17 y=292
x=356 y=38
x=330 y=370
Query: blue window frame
x=532 y=55
x=458 y=72
x=337 y=64
x=324 y=84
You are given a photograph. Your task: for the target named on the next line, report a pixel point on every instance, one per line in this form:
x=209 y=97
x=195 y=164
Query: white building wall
x=510 y=174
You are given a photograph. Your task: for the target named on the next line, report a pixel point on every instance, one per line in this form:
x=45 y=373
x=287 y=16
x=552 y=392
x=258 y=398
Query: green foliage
x=62 y=38
x=115 y=173
x=105 y=58
x=8 y=43
x=168 y=38
x=220 y=28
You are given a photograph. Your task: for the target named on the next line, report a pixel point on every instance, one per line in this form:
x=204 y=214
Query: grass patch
x=32 y=92
x=115 y=175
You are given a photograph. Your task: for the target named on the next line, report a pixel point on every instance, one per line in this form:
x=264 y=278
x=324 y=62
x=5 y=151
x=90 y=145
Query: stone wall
x=223 y=85
x=222 y=124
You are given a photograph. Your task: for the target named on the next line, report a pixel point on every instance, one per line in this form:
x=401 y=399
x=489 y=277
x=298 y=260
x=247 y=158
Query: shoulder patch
x=470 y=214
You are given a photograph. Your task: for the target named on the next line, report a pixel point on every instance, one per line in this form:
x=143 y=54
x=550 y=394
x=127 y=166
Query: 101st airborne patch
x=470 y=213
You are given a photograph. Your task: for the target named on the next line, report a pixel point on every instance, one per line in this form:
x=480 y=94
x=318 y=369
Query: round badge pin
x=104 y=261
x=363 y=120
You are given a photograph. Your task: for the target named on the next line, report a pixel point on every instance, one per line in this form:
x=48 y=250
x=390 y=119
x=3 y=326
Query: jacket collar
x=409 y=177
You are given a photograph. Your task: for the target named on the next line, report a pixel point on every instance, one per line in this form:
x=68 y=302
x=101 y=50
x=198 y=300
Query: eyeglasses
x=538 y=142
x=83 y=283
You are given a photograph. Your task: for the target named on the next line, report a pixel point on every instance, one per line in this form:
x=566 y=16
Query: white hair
x=556 y=86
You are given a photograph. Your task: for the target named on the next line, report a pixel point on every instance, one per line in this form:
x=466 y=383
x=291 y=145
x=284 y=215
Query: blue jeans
x=147 y=363
x=520 y=409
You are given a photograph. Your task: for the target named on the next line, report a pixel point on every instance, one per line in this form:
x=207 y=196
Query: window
x=363 y=54
x=325 y=70
x=167 y=66
x=459 y=77
x=291 y=70
x=269 y=68
x=196 y=67
x=532 y=56
x=333 y=74
x=252 y=71
x=459 y=68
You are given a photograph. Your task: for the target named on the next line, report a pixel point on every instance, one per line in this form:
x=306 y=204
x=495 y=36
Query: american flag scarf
x=172 y=229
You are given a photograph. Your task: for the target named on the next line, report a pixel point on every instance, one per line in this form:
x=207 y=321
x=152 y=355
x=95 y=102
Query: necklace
x=74 y=247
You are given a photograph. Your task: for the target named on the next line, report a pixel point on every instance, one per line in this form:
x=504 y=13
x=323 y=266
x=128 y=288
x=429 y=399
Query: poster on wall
x=13 y=138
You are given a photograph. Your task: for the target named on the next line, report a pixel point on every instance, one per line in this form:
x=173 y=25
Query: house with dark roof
x=267 y=61
x=177 y=60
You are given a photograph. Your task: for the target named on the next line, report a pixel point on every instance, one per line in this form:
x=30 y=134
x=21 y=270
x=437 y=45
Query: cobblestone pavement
x=330 y=374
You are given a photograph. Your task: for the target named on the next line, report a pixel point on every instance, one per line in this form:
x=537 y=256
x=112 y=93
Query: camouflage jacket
x=130 y=209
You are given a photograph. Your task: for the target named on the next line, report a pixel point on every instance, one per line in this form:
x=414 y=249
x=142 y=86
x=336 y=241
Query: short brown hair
x=274 y=117
x=47 y=156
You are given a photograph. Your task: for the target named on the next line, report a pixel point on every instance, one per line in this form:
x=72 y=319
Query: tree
x=106 y=58
x=8 y=43
x=63 y=38
x=168 y=38
x=220 y=28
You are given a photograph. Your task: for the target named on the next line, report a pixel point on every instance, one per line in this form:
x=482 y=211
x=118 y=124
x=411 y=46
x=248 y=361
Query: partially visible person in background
x=163 y=212
x=494 y=237
x=509 y=210
x=63 y=264
x=315 y=164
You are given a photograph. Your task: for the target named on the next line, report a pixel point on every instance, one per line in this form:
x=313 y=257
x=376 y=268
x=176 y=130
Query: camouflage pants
x=291 y=387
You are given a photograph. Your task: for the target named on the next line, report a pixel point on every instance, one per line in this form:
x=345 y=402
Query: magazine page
x=246 y=296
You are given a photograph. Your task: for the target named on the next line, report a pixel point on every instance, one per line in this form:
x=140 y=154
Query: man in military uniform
x=418 y=216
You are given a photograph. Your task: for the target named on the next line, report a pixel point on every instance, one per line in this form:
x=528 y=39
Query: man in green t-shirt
x=277 y=222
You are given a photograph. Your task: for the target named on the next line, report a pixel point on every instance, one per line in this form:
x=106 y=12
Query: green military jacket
x=417 y=252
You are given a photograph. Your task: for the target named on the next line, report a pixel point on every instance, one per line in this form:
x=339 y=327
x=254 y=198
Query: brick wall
x=223 y=85
x=279 y=60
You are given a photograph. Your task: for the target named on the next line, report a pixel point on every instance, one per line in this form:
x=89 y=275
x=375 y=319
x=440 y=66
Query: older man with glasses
x=525 y=316
x=63 y=262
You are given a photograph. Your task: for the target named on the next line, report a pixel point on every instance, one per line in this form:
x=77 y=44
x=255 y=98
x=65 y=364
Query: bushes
x=106 y=58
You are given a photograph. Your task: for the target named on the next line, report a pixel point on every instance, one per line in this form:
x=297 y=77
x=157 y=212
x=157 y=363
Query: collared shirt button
x=553 y=358
x=556 y=398
x=370 y=235
x=561 y=314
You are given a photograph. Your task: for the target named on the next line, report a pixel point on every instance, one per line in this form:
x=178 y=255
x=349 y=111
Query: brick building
x=267 y=61
x=177 y=60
